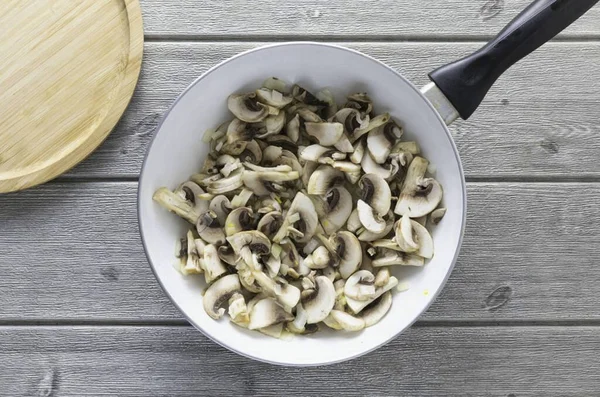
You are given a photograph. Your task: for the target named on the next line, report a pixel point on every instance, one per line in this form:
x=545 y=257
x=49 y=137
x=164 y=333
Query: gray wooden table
x=82 y=315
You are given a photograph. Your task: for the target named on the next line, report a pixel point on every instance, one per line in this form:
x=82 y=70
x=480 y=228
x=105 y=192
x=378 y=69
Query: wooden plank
x=540 y=120
x=72 y=252
x=360 y=19
x=179 y=361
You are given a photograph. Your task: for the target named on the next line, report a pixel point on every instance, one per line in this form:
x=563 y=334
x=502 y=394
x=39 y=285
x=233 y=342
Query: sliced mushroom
x=351 y=170
x=298 y=325
x=381 y=139
x=382 y=277
x=226 y=185
x=411 y=236
x=359 y=151
x=374 y=123
x=250 y=245
x=319 y=305
x=357 y=306
x=247 y=108
x=267 y=312
x=344 y=145
x=213 y=267
x=303 y=95
x=370 y=220
x=367 y=235
x=320 y=258
x=273 y=83
x=347 y=321
x=239 y=220
x=369 y=166
x=377 y=310
x=238 y=310
x=388 y=257
x=419 y=195
x=376 y=192
x=361 y=102
x=334 y=209
x=292 y=129
x=209 y=228
x=177 y=203
x=437 y=215
x=328 y=134
x=301 y=217
x=236 y=131
x=190 y=258
x=323 y=179
x=221 y=206
x=287 y=294
x=263 y=183
x=273 y=98
x=352 y=120
x=219 y=293
x=348 y=249
x=241 y=199
x=270 y=223
x=227 y=255
x=307 y=170
x=353 y=223
x=360 y=286
x=410 y=147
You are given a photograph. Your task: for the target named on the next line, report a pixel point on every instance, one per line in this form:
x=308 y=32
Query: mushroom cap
x=369 y=166
x=369 y=219
x=252 y=153
x=246 y=107
x=347 y=321
x=375 y=191
x=306 y=220
x=267 y=312
x=328 y=134
x=334 y=209
x=257 y=242
x=209 y=228
x=212 y=265
x=405 y=235
x=419 y=196
x=323 y=179
x=351 y=119
x=219 y=293
x=348 y=249
x=437 y=215
x=319 y=305
x=360 y=286
x=191 y=191
x=239 y=220
x=368 y=235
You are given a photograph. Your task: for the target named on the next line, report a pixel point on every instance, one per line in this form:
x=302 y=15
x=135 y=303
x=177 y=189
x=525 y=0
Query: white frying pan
x=456 y=90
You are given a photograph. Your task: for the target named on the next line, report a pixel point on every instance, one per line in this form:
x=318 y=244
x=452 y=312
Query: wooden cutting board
x=68 y=69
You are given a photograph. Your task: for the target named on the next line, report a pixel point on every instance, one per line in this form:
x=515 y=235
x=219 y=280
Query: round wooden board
x=68 y=70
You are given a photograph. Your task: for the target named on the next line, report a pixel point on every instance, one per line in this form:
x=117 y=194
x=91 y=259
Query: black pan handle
x=466 y=82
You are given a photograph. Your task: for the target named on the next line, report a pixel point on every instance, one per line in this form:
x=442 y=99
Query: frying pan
x=456 y=90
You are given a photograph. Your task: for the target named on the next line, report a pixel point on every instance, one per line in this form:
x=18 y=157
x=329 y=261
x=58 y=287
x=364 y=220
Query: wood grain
x=67 y=73
x=179 y=361
x=361 y=19
x=72 y=252
x=530 y=125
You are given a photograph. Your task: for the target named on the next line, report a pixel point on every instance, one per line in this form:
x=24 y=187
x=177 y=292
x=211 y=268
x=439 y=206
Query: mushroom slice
x=347 y=321
x=287 y=294
x=273 y=98
x=249 y=243
x=351 y=170
x=209 y=228
x=381 y=139
x=267 y=312
x=377 y=310
x=359 y=151
x=326 y=96
x=374 y=123
x=219 y=293
x=353 y=223
x=273 y=125
x=360 y=286
x=411 y=236
x=352 y=120
x=298 y=325
x=344 y=145
x=375 y=191
x=419 y=196
x=189 y=255
x=273 y=83
x=334 y=209
x=302 y=217
x=371 y=221
x=283 y=142
x=315 y=152
x=320 y=258
x=319 y=304
x=409 y=147
x=176 y=204
x=239 y=220
x=236 y=131
x=303 y=95
x=263 y=183
x=323 y=179
x=382 y=277
x=369 y=166
x=252 y=153
x=361 y=102
x=292 y=129
x=270 y=223
x=348 y=249
x=388 y=257
x=227 y=255
x=241 y=199
x=307 y=170
x=221 y=206
x=367 y=235
x=247 y=108
x=357 y=306
x=238 y=310
x=328 y=134
x=226 y=185
x=213 y=267
x=437 y=215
